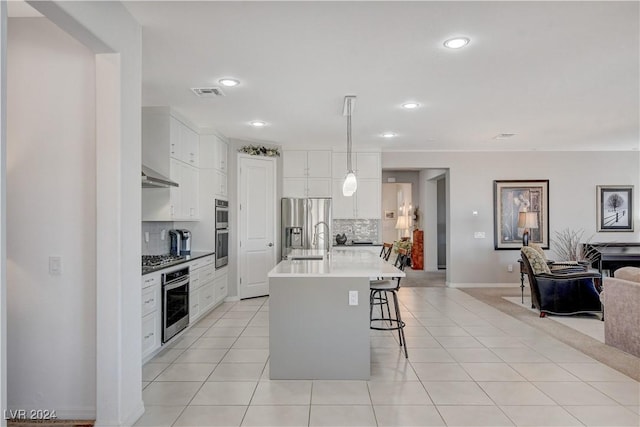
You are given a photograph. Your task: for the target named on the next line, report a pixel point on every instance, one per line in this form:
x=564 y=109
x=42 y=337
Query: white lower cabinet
x=220 y=284
x=201 y=287
x=151 y=314
x=207 y=287
x=151 y=324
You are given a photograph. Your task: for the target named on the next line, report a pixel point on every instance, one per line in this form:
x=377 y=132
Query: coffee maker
x=180 y=242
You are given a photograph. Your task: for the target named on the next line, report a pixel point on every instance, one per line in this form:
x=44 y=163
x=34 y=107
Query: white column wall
x=118 y=194
x=3 y=211
x=51 y=211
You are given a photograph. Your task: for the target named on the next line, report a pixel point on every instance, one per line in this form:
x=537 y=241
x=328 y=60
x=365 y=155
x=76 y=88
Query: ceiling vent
x=207 y=92
x=504 y=135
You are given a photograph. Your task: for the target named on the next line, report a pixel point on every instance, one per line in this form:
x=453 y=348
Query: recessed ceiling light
x=389 y=135
x=456 y=42
x=258 y=123
x=410 y=105
x=229 y=82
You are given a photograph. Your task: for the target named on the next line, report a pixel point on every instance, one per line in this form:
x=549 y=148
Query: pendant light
x=350 y=184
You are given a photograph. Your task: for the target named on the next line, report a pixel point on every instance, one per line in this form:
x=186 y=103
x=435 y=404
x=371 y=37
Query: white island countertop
x=338 y=263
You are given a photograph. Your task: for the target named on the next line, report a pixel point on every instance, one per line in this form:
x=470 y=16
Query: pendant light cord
x=349 y=168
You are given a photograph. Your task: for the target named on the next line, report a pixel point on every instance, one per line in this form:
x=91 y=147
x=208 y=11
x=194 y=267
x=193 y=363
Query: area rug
x=610 y=356
x=588 y=324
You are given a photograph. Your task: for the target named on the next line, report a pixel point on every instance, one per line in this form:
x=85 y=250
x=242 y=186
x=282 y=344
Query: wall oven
x=175 y=302
x=222 y=233
x=222 y=247
x=222 y=214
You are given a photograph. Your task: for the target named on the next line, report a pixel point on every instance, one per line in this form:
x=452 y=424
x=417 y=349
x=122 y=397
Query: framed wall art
x=520 y=206
x=389 y=214
x=615 y=207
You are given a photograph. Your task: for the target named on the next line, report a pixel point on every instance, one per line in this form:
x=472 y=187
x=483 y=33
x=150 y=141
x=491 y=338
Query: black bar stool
x=379 y=296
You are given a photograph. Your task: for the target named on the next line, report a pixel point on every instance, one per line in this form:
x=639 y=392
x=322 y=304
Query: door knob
x=270 y=244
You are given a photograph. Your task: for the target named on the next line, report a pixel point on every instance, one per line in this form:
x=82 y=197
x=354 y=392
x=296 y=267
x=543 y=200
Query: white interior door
x=257 y=224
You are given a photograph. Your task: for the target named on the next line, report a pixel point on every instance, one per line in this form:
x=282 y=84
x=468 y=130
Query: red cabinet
x=417 y=250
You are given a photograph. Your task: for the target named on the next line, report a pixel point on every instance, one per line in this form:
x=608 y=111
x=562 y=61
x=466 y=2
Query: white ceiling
x=560 y=75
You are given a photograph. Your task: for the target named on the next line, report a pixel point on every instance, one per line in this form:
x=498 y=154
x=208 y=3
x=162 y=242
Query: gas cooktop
x=159 y=260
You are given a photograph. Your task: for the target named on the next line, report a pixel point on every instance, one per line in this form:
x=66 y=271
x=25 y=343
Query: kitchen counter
x=337 y=263
x=319 y=316
x=194 y=255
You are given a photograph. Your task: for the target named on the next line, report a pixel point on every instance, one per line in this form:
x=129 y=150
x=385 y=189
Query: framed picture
x=615 y=207
x=513 y=203
x=389 y=214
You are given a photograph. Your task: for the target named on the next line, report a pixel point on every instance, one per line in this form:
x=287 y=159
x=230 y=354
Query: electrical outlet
x=479 y=235
x=510 y=268
x=146 y=236
x=353 y=297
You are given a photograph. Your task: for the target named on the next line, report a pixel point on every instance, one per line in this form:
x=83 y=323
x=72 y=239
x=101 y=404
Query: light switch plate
x=55 y=265
x=353 y=297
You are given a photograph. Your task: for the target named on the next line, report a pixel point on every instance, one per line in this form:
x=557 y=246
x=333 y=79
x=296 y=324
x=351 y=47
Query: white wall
x=572 y=176
x=118 y=89
x=51 y=210
x=3 y=211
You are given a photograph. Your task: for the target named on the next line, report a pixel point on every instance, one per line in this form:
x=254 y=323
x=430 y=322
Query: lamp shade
x=528 y=220
x=350 y=185
x=402 y=223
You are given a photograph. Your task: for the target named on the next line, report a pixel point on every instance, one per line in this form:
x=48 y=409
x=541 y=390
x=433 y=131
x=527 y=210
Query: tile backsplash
x=156 y=246
x=357 y=229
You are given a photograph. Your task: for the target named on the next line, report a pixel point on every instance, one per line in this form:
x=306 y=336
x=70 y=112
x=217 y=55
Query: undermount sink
x=305 y=257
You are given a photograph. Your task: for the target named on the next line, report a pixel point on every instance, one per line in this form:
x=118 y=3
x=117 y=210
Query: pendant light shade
x=350 y=184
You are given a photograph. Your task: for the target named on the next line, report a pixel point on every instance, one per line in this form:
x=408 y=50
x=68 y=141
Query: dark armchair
x=561 y=292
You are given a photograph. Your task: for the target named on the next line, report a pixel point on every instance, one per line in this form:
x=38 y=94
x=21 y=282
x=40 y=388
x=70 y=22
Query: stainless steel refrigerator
x=305 y=224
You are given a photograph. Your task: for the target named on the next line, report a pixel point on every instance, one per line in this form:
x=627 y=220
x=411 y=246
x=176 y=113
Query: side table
x=522 y=273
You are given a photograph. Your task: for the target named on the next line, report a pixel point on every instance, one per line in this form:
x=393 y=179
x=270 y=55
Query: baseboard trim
x=232 y=299
x=128 y=421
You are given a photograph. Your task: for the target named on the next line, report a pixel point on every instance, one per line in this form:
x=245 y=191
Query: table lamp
x=527 y=220
x=402 y=224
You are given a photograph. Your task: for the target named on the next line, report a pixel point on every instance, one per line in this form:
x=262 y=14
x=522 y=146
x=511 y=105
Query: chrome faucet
x=315 y=232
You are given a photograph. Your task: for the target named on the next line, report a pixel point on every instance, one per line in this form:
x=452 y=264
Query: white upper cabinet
x=368 y=165
x=294 y=164
x=183 y=143
x=171 y=148
x=213 y=156
x=306 y=173
x=365 y=165
x=303 y=164
x=364 y=204
x=190 y=146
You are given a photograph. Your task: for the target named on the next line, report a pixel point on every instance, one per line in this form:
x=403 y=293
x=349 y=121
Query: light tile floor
x=469 y=365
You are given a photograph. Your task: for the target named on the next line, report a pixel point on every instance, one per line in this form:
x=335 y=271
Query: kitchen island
x=319 y=315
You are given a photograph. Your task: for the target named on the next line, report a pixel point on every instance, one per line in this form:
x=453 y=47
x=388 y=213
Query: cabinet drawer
x=194 y=304
x=207 y=298
x=150 y=300
x=194 y=280
x=221 y=288
x=150 y=333
x=150 y=280
x=207 y=274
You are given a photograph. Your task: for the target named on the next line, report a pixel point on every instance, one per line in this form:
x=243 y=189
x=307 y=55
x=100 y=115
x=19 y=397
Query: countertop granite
x=346 y=263
x=194 y=255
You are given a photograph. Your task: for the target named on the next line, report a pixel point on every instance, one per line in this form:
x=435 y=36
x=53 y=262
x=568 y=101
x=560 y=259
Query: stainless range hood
x=153 y=179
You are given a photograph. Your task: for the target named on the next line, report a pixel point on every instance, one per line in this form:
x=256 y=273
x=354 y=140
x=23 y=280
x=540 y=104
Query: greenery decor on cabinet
x=260 y=150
